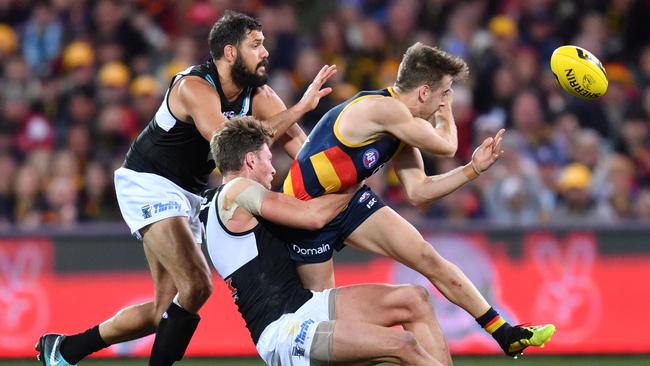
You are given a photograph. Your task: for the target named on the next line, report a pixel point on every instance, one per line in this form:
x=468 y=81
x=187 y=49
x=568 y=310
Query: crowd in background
x=80 y=78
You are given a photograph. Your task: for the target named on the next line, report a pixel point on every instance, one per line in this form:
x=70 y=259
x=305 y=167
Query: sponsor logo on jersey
x=166 y=206
x=299 y=341
x=146 y=211
x=371 y=202
x=323 y=248
x=370 y=158
x=150 y=210
x=228 y=114
x=364 y=197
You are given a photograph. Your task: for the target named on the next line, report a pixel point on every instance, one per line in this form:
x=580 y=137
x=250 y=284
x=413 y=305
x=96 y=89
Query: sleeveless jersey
x=327 y=163
x=176 y=150
x=256 y=267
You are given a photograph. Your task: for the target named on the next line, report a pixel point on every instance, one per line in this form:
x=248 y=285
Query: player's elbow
x=316 y=222
x=415 y=198
x=445 y=149
x=449 y=151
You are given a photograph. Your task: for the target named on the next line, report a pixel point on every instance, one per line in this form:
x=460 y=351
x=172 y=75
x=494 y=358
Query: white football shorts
x=288 y=340
x=145 y=198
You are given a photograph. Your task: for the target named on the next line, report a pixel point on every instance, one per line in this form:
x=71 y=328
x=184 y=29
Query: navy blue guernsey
x=175 y=149
x=327 y=163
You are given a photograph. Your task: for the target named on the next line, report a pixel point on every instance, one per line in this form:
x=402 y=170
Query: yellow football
x=579 y=72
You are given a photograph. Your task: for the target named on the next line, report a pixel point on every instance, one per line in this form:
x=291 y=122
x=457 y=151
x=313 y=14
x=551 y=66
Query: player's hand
x=488 y=153
x=444 y=113
x=314 y=93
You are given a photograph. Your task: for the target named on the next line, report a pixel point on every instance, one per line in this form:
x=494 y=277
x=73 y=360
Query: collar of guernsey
x=328 y=163
x=211 y=75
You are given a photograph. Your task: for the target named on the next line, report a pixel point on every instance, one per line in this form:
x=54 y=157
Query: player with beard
x=159 y=184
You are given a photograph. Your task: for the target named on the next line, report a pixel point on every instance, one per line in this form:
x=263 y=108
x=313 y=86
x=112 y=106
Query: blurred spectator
x=97 y=201
x=112 y=25
x=642 y=206
x=577 y=204
x=8 y=40
x=18 y=83
x=643 y=68
x=81 y=78
x=7 y=173
x=146 y=92
x=635 y=143
x=514 y=191
x=619 y=187
x=114 y=78
x=42 y=38
x=29 y=203
x=587 y=148
x=116 y=127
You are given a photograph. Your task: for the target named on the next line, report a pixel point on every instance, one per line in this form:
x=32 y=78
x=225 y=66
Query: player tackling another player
x=245 y=227
x=289 y=324
x=159 y=184
x=353 y=140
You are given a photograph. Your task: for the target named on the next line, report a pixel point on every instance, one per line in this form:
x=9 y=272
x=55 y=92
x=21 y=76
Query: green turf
x=458 y=361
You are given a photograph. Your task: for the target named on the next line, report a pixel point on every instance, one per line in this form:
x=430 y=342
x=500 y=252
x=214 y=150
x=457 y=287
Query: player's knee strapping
x=175 y=331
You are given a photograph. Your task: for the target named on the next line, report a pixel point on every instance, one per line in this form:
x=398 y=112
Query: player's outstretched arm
x=394 y=117
x=311 y=215
x=270 y=108
x=280 y=208
x=422 y=189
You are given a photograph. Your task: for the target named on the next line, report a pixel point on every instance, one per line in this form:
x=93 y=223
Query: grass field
x=458 y=361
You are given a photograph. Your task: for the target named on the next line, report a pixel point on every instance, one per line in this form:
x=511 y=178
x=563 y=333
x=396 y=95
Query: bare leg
x=388 y=306
x=387 y=233
x=362 y=343
x=141 y=320
x=316 y=276
x=176 y=257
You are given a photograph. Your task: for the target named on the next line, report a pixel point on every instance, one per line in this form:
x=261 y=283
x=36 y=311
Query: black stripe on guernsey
x=176 y=150
x=256 y=266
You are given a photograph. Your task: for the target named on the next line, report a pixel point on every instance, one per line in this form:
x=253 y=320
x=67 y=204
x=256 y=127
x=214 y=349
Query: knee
x=202 y=287
x=416 y=302
x=197 y=289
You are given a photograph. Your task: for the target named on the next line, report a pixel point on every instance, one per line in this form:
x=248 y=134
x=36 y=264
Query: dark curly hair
x=230 y=29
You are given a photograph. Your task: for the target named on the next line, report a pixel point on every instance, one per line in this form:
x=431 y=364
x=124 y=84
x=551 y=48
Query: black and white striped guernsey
x=256 y=266
x=176 y=150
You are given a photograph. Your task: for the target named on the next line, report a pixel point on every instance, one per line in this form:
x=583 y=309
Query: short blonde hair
x=426 y=65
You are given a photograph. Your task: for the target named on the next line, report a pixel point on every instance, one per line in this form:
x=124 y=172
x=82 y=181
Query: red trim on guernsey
x=343 y=165
x=299 y=190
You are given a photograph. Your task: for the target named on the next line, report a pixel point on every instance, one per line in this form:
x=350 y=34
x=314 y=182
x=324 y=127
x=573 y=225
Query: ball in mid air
x=579 y=72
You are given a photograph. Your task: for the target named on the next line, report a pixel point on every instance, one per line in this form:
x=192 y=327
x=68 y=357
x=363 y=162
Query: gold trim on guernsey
x=287 y=188
x=325 y=172
x=338 y=134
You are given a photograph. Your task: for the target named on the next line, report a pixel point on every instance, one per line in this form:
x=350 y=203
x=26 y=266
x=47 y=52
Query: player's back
x=329 y=164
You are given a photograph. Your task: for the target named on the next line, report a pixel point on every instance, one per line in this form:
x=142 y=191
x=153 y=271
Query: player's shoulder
x=265 y=91
x=236 y=186
x=382 y=108
x=192 y=86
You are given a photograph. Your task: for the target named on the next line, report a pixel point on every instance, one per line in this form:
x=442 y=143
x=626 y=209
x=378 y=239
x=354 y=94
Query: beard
x=242 y=77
